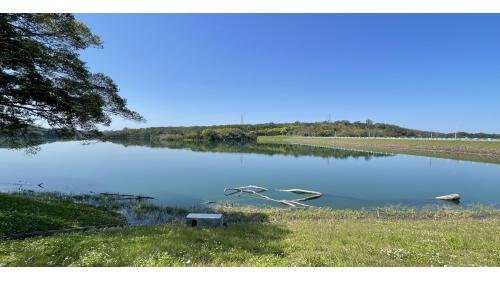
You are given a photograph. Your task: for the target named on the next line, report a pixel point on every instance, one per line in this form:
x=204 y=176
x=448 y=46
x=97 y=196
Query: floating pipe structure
x=257 y=190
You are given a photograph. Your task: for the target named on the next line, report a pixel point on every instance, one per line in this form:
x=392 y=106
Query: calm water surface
x=189 y=174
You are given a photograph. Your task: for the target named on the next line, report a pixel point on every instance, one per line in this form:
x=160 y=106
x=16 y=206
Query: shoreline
x=476 y=151
x=441 y=236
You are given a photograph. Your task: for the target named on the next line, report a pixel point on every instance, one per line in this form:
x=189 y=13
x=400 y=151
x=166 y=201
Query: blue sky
x=425 y=71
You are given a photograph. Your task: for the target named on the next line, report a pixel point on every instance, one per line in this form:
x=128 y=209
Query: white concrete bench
x=204 y=220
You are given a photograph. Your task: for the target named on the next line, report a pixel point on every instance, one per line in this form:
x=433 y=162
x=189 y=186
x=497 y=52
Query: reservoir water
x=188 y=174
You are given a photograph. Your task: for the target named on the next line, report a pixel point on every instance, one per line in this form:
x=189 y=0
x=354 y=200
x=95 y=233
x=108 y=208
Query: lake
x=188 y=174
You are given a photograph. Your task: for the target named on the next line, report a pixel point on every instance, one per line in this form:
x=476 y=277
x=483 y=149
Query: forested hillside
x=231 y=133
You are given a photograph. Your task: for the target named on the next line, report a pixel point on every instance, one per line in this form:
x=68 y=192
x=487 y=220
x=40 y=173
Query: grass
x=479 y=151
x=282 y=237
x=20 y=213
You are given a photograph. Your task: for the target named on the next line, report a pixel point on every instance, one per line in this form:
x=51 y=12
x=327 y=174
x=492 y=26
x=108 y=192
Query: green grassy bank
x=479 y=151
x=279 y=237
x=21 y=214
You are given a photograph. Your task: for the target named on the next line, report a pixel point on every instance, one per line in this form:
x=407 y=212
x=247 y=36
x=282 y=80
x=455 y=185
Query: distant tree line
x=249 y=133
x=31 y=136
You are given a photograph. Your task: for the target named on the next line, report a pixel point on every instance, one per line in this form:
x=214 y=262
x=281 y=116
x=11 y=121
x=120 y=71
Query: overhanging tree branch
x=43 y=79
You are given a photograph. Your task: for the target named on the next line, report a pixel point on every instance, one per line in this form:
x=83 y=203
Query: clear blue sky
x=439 y=72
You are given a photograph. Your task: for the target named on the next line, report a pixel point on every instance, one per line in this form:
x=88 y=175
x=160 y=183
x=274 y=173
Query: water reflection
x=257 y=148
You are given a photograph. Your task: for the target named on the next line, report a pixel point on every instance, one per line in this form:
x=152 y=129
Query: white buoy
x=449 y=197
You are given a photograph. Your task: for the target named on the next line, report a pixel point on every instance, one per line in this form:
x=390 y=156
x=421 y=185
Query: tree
x=43 y=80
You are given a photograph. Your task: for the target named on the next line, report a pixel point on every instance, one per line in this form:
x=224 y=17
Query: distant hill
x=33 y=136
x=237 y=133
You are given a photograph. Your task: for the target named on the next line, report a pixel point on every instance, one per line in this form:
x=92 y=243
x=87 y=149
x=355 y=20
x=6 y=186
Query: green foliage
x=227 y=135
x=20 y=213
x=245 y=133
x=43 y=79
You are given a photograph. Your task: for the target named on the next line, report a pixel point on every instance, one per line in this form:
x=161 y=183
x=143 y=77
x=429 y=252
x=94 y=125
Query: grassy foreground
x=20 y=214
x=281 y=237
x=479 y=151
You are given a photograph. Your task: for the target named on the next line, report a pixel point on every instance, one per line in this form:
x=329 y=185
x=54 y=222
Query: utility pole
x=242 y=120
x=456 y=129
x=330 y=121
